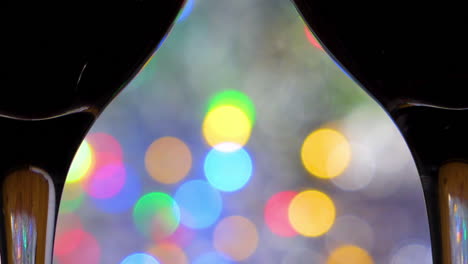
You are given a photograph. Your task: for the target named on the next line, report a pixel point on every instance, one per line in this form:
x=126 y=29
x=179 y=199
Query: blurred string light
x=360 y=171
x=156 y=214
x=186 y=11
x=139 y=258
x=103 y=143
x=276 y=214
x=229 y=119
x=183 y=236
x=412 y=253
x=226 y=124
x=168 y=160
x=234 y=98
x=325 y=153
x=349 y=254
x=236 y=237
x=350 y=229
x=211 y=258
x=82 y=163
x=311 y=38
x=125 y=198
x=228 y=171
x=168 y=253
x=311 y=213
x=72 y=197
x=106 y=181
x=200 y=204
x=76 y=246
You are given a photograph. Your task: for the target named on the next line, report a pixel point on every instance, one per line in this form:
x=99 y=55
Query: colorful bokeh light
x=236 y=237
x=234 y=98
x=139 y=258
x=228 y=171
x=168 y=160
x=349 y=254
x=311 y=213
x=200 y=204
x=105 y=143
x=183 y=236
x=276 y=214
x=326 y=153
x=125 y=198
x=106 y=181
x=157 y=215
x=168 y=253
x=82 y=163
x=211 y=258
x=77 y=246
x=226 y=123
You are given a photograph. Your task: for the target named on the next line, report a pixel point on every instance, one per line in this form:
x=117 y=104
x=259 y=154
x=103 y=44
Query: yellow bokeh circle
x=226 y=124
x=311 y=213
x=326 y=153
x=168 y=160
x=82 y=163
x=350 y=254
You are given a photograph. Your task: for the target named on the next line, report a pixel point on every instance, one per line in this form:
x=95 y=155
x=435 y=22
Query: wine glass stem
x=453 y=199
x=28 y=203
x=34 y=161
x=437 y=138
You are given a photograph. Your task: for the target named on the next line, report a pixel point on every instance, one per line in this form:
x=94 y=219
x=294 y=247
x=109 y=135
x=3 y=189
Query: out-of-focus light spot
x=360 y=171
x=350 y=229
x=226 y=123
x=105 y=143
x=82 y=163
x=276 y=214
x=412 y=253
x=311 y=38
x=156 y=214
x=325 y=153
x=125 y=198
x=211 y=258
x=200 y=204
x=139 y=258
x=186 y=11
x=349 y=254
x=234 y=98
x=183 y=236
x=168 y=160
x=228 y=171
x=77 y=246
x=72 y=197
x=106 y=181
x=302 y=256
x=236 y=237
x=168 y=253
x=311 y=213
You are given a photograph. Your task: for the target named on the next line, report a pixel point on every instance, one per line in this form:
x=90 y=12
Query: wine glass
x=64 y=62
x=411 y=59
